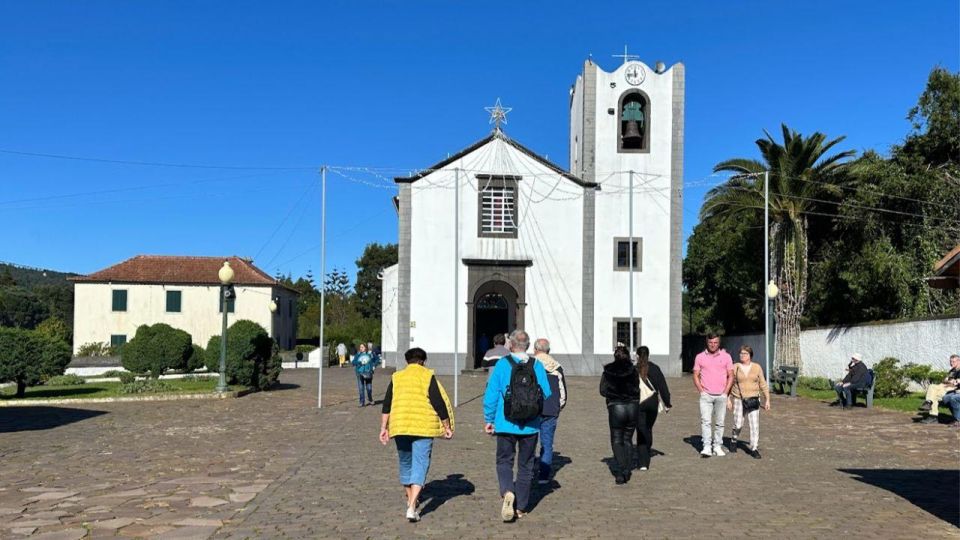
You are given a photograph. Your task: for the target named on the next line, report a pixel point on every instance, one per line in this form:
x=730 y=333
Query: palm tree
x=801 y=176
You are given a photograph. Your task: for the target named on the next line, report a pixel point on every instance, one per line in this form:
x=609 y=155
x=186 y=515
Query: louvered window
x=498 y=206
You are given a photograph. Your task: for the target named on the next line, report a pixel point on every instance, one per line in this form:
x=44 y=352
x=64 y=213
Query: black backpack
x=524 y=398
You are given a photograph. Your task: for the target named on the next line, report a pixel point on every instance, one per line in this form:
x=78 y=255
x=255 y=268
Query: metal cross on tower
x=626 y=57
x=498 y=114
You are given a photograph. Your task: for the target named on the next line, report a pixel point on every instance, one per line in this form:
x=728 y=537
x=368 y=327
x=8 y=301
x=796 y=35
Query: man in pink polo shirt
x=713 y=376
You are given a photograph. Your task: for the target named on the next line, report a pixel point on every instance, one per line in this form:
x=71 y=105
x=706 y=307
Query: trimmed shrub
x=65 y=380
x=252 y=358
x=126 y=377
x=155 y=349
x=889 y=379
x=113 y=373
x=305 y=349
x=145 y=386
x=196 y=360
x=28 y=357
x=815 y=383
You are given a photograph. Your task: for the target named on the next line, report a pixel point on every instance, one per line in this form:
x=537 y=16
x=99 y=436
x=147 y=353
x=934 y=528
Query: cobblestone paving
x=271 y=465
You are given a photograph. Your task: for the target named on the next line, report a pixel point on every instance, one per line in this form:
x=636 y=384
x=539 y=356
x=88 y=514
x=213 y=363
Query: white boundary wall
x=826 y=351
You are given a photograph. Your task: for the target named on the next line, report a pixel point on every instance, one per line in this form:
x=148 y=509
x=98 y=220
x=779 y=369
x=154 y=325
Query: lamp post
x=226 y=293
x=772 y=292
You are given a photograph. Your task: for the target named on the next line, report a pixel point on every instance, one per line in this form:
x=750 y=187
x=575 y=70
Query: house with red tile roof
x=184 y=292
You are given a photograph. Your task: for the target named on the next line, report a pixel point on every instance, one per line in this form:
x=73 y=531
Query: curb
x=167 y=397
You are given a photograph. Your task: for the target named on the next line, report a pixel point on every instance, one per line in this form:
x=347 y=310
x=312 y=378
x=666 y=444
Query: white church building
x=497 y=237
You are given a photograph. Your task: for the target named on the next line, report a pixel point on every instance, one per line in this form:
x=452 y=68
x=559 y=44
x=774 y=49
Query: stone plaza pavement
x=271 y=465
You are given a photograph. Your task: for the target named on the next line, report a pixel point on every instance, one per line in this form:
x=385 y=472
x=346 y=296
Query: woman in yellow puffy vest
x=416 y=409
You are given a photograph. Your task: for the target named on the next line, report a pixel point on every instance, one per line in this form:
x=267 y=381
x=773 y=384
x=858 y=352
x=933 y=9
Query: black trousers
x=647 y=418
x=623 y=417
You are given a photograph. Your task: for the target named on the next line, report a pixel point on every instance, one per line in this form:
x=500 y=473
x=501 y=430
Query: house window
x=231 y=304
x=117 y=340
x=622 y=254
x=173 y=301
x=119 y=300
x=498 y=206
x=621 y=332
x=633 y=129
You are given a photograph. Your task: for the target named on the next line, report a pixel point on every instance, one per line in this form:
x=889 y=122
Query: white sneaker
x=718 y=451
x=506 y=511
x=643 y=468
x=706 y=452
x=412 y=515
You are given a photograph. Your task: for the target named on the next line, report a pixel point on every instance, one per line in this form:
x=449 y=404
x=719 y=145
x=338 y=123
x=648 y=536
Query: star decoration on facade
x=498 y=114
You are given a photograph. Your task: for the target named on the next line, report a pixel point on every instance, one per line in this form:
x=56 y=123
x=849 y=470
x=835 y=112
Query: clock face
x=635 y=74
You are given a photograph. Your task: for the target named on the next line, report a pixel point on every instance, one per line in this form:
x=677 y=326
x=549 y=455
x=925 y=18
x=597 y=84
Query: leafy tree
x=375 y=258
x=55 y=328
x=723 y=274
x=800 y=171
x=21 y=308
x=936 y=120
x=28 y=357
x=6 y=279
x=155 y=349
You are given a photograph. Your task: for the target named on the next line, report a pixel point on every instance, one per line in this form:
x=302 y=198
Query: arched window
x=633 y=128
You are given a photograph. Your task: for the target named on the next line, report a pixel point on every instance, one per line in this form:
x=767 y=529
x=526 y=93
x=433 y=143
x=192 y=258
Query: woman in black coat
x=620 y=384
x=650 y=375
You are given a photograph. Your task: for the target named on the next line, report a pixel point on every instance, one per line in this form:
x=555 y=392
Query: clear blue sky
x=389 y=84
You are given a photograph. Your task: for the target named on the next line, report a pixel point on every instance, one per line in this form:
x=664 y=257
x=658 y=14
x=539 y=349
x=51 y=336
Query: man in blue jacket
x=514 y=440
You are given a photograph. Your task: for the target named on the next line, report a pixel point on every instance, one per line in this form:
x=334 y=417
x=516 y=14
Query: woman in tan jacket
x=745 y=399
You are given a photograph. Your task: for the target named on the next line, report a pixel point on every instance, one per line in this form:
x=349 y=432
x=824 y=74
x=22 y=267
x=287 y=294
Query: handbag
x=750 y=404
x=646 y=393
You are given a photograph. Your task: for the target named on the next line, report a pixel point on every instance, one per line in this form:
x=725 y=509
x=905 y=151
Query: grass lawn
x=111 y=389
x=907 y=403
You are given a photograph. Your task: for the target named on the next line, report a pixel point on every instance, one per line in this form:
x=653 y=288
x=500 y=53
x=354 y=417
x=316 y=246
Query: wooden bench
x=785 y=375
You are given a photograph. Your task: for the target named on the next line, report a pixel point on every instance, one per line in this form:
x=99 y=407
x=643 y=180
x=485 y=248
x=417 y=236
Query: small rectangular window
x=498 y=206
x=117 y=340
x=173 y=301
x=621 y=332
x=119 y=300
x=231 y=304
x=622 y=254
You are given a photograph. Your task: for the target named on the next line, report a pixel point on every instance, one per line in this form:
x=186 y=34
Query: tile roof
x=180 y=270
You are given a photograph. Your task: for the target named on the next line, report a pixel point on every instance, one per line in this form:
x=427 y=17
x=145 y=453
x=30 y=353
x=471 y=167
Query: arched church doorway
x=494 y=312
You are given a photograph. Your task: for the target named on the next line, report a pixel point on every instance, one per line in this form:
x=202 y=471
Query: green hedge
x=253 y=359
x=197 y=358
x=65 y=380
x=28 y=357
x=155 y=349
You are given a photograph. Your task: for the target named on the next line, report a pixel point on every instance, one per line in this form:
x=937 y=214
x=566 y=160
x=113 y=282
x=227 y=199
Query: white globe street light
x=226 y=294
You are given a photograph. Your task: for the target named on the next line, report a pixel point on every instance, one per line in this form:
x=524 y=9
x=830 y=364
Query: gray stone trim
x=673 y=366
x=403 y=272
x=588 y=166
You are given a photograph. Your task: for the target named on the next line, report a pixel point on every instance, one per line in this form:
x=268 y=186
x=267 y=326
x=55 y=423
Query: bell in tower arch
x=632 y=128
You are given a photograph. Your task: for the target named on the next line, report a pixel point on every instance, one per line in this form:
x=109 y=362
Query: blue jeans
x=365 y=387
x=548 y=427
x=414 y=456
x=953 y=401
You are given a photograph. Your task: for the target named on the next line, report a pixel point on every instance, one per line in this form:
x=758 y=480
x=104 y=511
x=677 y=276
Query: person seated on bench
x=938 y=392
x=856 y=379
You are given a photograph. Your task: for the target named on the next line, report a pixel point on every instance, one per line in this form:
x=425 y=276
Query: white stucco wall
x=826 y=351
x=550 y=222
x=95 y=321
x=651 y=213
x=389 y=315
